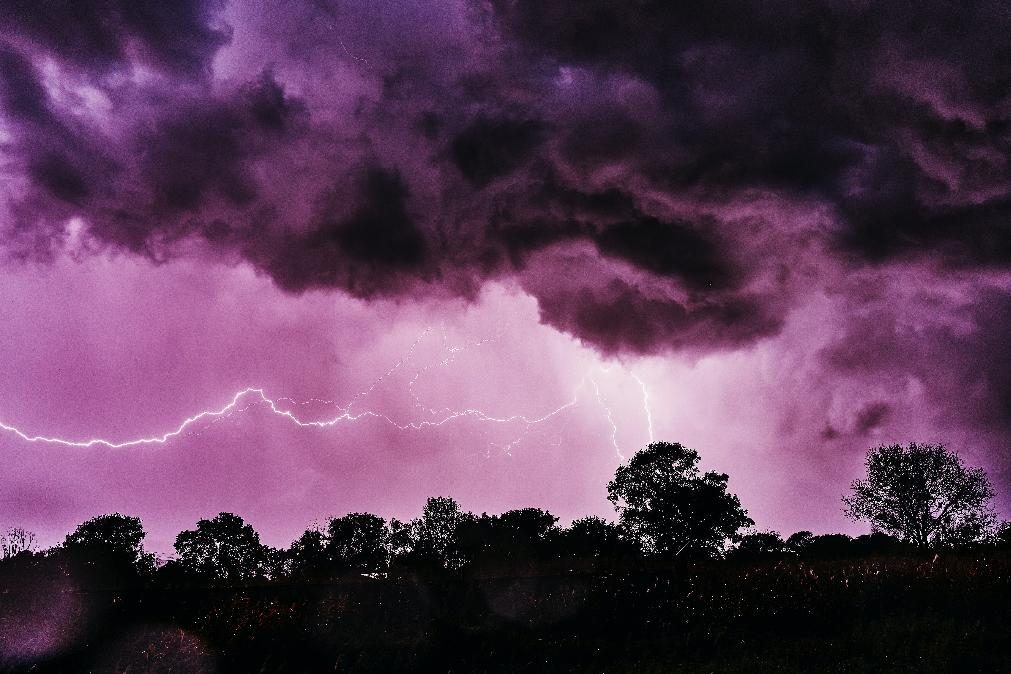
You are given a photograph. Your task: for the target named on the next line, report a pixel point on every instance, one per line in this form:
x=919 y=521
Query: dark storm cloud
x=871 y=416
x=414 y=148
x=619 y=318
x=364 y=252
x=954 y=348
x=98 y=36
x=600 y=135
x=58 y=176
x=206 y=149
x=868 y=106
x=490 y=148
x=667 y=249
x=24 y=98
x=193 y=172
x=962 y=235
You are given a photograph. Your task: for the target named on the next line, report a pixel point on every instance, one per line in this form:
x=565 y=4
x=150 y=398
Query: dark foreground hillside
x=937 y=614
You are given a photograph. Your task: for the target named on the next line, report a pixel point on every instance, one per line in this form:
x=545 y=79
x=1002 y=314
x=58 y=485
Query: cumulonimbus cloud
x=607 y=156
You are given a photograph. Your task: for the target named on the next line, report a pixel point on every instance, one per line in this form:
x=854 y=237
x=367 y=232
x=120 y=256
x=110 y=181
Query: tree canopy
x=432 y=540
x=224 y=548
x=922 y=494
x=515 y=536
x=358 y=543
x=672 y=508
x=915 y=495
x=111 y=539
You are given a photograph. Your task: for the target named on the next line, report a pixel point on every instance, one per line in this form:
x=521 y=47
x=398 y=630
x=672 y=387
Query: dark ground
x=907 y=613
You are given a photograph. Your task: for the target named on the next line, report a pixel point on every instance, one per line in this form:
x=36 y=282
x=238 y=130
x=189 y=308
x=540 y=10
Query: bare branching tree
x=923 y=494
x=16 y=541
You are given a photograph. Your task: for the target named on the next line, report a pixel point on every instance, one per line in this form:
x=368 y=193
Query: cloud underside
x=659 y=177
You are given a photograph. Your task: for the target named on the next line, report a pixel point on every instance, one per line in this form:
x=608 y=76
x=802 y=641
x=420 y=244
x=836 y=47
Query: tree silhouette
x=307 y=557
x=799 y=541
x=594 y=543
x=224 y=549
x=526 y=524
x=761 y=545
x=828 y=546
x=1002 y=535
x=670 y=507
x=17 y=541
x=358 y=543
x=591 y=537
x=111 y=540
x=516 y=538
x=402 y=539
x=433 y=538
x=923 y=494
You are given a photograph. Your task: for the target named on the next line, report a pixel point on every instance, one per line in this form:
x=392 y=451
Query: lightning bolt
x=610 y=419
x=645 y=405
x=261 y=396
x=345 y=413
x=350 y=55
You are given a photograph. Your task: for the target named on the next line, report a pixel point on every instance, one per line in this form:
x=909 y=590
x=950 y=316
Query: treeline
x=681 y=581
x=225 y=550
x=667 y=510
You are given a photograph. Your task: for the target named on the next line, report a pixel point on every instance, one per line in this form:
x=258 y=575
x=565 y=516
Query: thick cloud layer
x=102 y=36
x=405 y=150
x=686 y=178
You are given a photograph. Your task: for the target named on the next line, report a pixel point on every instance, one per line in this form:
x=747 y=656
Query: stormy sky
x=777 y=232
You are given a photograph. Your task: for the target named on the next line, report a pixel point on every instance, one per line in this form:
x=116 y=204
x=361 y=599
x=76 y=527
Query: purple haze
x=779 y=231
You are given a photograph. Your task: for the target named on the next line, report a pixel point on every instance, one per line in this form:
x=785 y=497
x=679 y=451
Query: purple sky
x=779 y=233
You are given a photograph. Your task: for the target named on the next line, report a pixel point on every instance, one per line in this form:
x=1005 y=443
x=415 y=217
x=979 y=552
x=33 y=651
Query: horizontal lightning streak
x=432 y=417
x=272 y=404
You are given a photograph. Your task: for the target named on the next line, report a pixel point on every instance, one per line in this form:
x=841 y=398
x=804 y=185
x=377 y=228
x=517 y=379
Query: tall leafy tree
x=403 y=538
x=672 y=508
x=592 y=538
x=435 y=534
x=922 y=494
x=114 y=539
x=358 y=543
x=518 y=535
x=307 y=556
x=224 y=549
x=761 y=545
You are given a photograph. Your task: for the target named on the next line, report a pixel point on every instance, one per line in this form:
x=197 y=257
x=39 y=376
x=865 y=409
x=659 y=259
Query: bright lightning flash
x=431 y=418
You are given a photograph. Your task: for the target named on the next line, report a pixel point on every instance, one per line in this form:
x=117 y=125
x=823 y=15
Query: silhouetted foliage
x=515 y=537
x=594 y=537
x=223 y=549
x=798 y=541
x=275 y=562
x=432 y=541
x=17 y=541
x=828 y=546
x=761 y=545
x=401 y=539
x=110 y=541
x=511 y=592
x=358 y=543
x=878 y=544
x=307 y=557
x=19 y=559
x=671 y=508
x=922 y=494
x=1002 y=535
x=524 y=525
